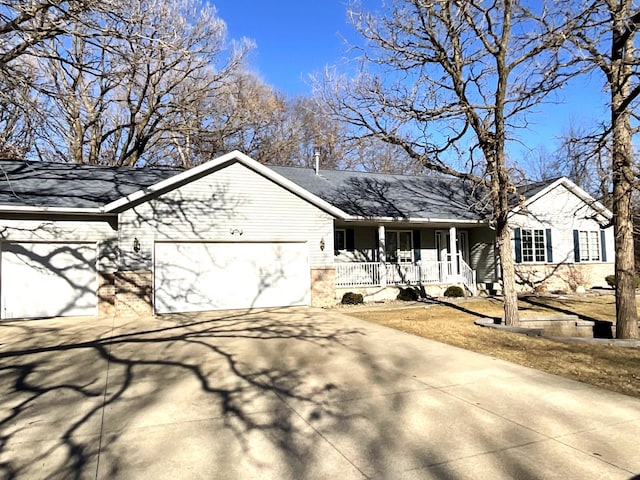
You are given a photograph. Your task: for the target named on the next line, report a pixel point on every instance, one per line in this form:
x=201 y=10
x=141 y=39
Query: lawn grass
x=606 y=366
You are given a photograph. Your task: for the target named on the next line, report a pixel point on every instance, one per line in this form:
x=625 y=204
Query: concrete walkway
x=291 y=394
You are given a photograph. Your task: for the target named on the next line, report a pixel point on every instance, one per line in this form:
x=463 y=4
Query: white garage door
x=191 y=277
x=48 y=280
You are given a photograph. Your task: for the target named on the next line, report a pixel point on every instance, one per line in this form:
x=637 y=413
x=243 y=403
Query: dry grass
x=606 y=366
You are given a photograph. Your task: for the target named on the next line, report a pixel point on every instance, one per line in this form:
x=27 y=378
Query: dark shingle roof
x=361 y=194
x=531 y=189
x=396 y=196
x=40 y=184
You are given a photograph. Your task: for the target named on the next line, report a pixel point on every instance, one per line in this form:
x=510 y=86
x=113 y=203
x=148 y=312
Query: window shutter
x=603 y=246
x=549 y=246
x=576 y=246
x=517 y=237
x=416 y=246
x=350 y=240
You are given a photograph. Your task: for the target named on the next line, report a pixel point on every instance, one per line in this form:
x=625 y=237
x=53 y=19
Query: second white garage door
x=191 y=277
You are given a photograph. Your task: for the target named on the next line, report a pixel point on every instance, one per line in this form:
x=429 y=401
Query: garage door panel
x=219 y=276
x=48 y=279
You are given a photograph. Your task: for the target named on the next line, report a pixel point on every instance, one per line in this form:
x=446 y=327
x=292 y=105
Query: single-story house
x=233 y=234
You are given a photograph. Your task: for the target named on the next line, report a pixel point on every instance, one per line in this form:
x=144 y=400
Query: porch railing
x=370 y=274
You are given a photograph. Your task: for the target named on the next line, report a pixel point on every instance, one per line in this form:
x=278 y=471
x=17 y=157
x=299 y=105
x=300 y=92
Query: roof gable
x=601 y=213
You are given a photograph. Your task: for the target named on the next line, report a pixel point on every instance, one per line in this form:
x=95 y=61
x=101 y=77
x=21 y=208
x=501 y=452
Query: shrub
x=611 y=281
x=351 y=298
x=454 y=291
x=408 y=295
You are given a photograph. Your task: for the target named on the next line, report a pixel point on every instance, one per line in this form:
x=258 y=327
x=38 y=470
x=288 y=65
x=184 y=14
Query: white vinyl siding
x=562 y=212
x=231 y=204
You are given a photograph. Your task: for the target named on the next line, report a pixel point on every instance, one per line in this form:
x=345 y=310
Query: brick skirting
x=323 y=287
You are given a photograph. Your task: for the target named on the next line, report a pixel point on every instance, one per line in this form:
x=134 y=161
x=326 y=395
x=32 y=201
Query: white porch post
x=382 y=256
x=453 y=246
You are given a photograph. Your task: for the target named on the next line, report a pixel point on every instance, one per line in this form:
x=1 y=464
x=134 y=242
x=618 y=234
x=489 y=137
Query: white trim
x=68 y=210
x=219 y=162
x=354 y=218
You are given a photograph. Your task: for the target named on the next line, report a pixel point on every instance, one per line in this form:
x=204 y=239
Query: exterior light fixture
x=136 y=245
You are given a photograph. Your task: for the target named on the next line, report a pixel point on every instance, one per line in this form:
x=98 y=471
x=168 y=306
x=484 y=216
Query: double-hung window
x=533 y=245
x=398 y=246
x=589 y=245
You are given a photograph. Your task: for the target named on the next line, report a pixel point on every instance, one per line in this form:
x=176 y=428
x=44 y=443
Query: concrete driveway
x=291 y=393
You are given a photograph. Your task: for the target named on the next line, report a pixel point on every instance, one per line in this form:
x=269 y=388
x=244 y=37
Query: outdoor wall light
x=136 y=245
x=322 y=244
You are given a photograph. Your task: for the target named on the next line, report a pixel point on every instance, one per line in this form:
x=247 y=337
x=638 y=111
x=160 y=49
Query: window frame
x=590 y=245
x=534 y=240
x=397 y=257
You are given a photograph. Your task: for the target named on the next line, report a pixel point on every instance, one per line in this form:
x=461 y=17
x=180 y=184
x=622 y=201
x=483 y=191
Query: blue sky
x=294 y=39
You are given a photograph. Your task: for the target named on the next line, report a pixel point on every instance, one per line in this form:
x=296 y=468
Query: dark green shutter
x=416 y=246
x=350 y=242
x=549 y=246
x=517 y=237
x=603 y=246
x=576 y=246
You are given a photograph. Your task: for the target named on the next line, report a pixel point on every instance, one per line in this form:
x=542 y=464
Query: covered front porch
x=405 y=254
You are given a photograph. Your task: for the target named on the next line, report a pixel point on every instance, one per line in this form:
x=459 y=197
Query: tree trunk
x=621 y=60
x=626 y=314
x=503 y=234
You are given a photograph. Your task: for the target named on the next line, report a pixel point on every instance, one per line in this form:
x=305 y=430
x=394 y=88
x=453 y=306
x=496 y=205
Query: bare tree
x=449 y=82
x=138 y=97
x=606 y=39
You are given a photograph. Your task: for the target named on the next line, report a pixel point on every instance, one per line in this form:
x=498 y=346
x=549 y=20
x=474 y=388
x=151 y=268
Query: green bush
x=408 y=294
x=454 y=291
x=611 y=281
x=351 y=298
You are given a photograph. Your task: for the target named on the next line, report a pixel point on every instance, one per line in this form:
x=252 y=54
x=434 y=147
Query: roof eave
x=573 y=188
x=62 y=210
x=356 y=218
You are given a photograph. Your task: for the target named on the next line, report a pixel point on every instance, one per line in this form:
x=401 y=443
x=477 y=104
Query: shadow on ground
x=272 y=394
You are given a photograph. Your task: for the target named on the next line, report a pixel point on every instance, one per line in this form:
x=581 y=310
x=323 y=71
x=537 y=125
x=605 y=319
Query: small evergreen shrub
x=351 y=298
x=454 y=291
x=408 y=295
x=611 y=281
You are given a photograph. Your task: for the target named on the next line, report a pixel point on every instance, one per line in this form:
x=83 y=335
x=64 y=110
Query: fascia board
x=63 y=210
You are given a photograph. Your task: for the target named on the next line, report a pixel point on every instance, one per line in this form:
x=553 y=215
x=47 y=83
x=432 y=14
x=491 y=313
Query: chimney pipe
x=316 y=158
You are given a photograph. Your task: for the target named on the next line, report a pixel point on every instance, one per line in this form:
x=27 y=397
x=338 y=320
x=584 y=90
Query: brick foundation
x=566 y=277
x=323 y=287
x=106 y=294
x=134 y=292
